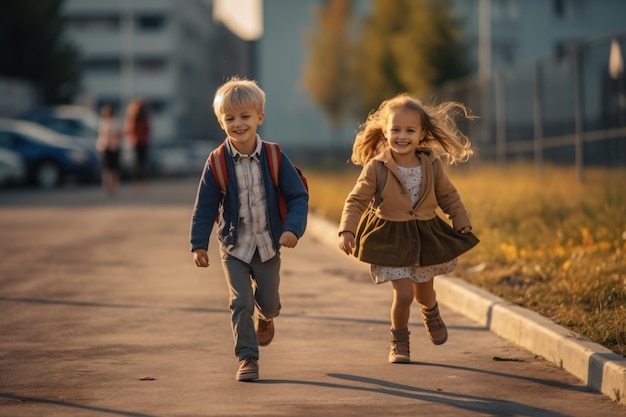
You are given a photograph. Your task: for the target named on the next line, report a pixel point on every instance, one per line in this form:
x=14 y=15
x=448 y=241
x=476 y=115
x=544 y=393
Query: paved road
x=102 y=313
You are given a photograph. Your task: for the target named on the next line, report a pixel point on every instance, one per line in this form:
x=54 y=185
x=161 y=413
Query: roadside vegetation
x=552 y=245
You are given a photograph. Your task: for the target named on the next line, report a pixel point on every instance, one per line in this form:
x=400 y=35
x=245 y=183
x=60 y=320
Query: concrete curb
x=601 y=369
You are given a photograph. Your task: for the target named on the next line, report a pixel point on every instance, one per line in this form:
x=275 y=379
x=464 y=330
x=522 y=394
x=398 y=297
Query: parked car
x=78 y=121
x=12 y=168
x=50 y=158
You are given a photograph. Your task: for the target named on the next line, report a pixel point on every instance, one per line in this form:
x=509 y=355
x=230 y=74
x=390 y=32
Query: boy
x=250 y=229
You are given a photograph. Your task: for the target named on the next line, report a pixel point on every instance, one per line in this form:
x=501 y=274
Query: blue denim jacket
x=210 y=202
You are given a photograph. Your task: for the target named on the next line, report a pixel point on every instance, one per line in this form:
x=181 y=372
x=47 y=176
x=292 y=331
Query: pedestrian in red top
x=137 y=129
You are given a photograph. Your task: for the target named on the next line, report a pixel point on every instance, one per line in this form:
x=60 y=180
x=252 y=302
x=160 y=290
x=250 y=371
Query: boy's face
x=241 y=125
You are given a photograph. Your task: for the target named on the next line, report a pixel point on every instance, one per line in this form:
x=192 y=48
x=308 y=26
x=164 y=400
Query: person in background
x=137 y=130
x=406 y=139
x=108 y=146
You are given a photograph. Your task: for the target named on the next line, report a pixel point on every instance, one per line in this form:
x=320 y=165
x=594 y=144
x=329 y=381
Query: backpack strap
x=381 y=179
x=217 y=160
x=273 y=159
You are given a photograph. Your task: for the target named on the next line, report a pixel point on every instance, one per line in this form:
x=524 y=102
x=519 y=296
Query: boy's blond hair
x=236 y=94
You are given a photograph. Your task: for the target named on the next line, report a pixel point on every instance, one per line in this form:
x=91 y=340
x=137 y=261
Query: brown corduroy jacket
x=436 y=191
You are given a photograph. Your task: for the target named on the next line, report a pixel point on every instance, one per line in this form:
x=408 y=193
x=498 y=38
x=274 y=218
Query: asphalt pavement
x=102 y=312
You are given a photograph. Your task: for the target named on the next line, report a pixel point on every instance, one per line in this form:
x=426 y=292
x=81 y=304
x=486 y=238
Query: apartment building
x=503 y=33
x=159 y=50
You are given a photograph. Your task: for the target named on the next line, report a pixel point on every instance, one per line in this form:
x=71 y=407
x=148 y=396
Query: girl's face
x=241 y=125
x=404 y=130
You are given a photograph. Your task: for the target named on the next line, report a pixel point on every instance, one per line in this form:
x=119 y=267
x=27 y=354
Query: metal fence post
x=578 y=113
x=538 y=118
x=500 y=112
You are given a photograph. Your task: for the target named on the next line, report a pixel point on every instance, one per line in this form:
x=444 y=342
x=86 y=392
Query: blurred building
x=169 y=52
x=503 y=33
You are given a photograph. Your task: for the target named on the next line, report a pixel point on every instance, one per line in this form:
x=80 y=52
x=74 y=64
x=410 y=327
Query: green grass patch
x=551 y=244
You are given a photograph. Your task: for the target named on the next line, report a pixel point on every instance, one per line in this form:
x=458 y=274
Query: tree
x=446 y=53
x=407 y=46
x=32 y=47
x=327 y=72
x=401 y=46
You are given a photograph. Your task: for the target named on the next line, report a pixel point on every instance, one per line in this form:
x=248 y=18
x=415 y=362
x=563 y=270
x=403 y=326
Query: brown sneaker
x=248 y=370
x=399 y=351
x=436 y=328
x=264 y=331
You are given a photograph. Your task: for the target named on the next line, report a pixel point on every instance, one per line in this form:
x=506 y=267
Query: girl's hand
x=288 y=239
x=201 y=258
x=346 y=242
x=466 y=230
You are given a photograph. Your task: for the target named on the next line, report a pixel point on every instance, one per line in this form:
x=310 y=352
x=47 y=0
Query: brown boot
x=264 y=331
x=436 y=328
x=248 y=370
x=399 y=352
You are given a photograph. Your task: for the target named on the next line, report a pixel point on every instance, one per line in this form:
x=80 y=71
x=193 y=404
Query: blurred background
x=545 y=77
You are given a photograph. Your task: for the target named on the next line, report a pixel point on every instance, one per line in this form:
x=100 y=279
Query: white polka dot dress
x=412 y=179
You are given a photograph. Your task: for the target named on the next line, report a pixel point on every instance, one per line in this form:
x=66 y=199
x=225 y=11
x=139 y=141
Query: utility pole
x=484 y=68
x=127 y=70
x=484 y=39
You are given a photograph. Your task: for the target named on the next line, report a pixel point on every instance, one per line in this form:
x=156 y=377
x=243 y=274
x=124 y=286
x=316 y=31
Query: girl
x=399 y=147
x=108 y=145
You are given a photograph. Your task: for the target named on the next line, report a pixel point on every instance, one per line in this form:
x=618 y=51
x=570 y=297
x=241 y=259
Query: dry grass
x=551 y=245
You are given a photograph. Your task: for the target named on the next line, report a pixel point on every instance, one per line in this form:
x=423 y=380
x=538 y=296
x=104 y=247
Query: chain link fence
x=566 y=109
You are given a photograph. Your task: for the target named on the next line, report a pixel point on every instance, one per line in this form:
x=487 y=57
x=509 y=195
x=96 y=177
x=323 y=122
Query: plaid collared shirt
x=253 y=232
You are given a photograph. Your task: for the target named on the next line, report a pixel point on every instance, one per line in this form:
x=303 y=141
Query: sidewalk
x=600 y=368
x=102 y=313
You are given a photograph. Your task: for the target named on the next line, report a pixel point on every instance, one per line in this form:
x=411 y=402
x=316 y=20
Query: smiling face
x=241 y=126
x=403 y=131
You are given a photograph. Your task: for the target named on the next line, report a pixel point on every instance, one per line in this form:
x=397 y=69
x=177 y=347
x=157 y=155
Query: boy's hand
x=201 y=258
x=346 y=242
x=288 y=239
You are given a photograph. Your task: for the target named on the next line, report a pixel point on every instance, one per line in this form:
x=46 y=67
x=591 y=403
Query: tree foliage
x=407 y=46
x=32 y=47
x=400 y=46
x=327 y=72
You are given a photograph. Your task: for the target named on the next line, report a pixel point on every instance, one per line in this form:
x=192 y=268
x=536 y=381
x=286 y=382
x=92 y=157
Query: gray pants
x=251 y=285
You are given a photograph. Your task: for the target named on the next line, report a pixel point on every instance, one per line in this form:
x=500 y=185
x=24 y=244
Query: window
x=152 y=65
x=93 y=23
x=150 y=22
x=505 y=10
x=568 y=9
x=503 y=53
x=157 y=106
x=102 y=65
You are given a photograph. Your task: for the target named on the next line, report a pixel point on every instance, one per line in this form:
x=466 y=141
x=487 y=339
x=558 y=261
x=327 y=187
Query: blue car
x=50 y=158
x=12 y=168
x=68 y=120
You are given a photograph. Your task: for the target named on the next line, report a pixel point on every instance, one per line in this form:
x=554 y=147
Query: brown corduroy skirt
x=409 y=243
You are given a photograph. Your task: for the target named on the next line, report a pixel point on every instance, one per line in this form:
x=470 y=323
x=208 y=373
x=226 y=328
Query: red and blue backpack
x=217 y=161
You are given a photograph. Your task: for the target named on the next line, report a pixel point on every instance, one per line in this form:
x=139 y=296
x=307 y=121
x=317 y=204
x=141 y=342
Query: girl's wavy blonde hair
x=441 y=133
